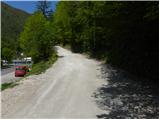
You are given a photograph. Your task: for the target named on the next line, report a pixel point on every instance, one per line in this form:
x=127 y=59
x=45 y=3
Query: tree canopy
x=36 y=39
x=123 y=33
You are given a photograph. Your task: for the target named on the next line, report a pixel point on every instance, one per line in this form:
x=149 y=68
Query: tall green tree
x=123 y=33
x=7 y=54
x=37 y=38
x=45 y=8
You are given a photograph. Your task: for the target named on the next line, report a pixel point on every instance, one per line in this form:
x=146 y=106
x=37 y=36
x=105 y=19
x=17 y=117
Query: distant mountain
x=12 y=22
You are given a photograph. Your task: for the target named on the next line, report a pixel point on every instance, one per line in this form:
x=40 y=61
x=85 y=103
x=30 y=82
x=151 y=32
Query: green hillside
x=12 y=22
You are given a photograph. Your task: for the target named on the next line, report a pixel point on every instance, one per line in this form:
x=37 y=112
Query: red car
x=20 y=71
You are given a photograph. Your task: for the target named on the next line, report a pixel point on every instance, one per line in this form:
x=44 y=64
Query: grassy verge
x=8 y=85
x=42 y=66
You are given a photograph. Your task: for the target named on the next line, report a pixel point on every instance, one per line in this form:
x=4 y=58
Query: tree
x=61 y=24
x=123 y=33
x=44 y=7
x=7 y=54
x=37 y=38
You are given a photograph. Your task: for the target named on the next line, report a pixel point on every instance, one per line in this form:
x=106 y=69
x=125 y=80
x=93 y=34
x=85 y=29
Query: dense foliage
x=123 y=33
x=36 y=39
x=42 y=66
x=12 y=23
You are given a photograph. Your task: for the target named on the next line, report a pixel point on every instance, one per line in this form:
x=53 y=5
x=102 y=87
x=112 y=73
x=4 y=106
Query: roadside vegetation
x=33 y=36
x=112 y=31
x=42 y=66
x=37 y=39
x=12 y=23
x=8 y=85
x=124 y=34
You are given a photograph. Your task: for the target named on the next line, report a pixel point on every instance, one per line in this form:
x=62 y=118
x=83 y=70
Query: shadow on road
x=123 y=97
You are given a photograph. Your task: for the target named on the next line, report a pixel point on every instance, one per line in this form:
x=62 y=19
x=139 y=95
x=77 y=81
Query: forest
x=124 y=34
x=12 y=22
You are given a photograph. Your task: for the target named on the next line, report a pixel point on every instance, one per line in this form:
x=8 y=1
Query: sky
x=28 y=6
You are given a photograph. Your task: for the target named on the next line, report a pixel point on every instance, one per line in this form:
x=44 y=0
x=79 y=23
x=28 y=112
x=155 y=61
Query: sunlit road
x=63 y=91
x=78 y=87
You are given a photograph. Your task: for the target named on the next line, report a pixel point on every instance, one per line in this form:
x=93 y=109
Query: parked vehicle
x=24 y=62
x=20 y=71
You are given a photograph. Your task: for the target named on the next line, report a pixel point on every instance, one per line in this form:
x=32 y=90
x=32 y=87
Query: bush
x=42 y=66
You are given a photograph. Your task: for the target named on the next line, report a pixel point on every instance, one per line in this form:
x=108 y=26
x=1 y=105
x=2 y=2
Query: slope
x=12 y=22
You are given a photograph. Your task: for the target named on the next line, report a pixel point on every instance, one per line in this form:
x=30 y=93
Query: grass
x=8 y=85
x=42 y=66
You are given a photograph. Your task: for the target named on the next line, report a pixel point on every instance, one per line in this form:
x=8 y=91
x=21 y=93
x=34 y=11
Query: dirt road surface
x=77 y=87
x=63 y=91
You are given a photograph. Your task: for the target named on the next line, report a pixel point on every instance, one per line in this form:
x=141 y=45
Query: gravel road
x=78 y=87
x=63 y=91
